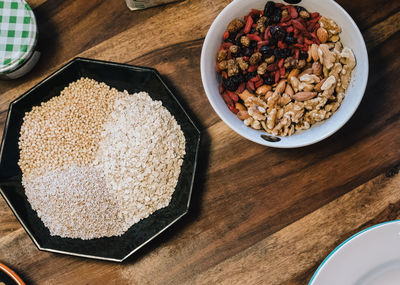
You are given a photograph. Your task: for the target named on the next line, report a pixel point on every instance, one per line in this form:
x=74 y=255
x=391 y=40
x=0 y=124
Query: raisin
x=269 y=8
x=282 y=53
x=290 y=40
x=278 y=32
x=232 y=83
x=269 y=80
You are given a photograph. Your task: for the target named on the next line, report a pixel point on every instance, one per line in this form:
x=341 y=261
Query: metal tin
x=18 y=39
x=143 y=4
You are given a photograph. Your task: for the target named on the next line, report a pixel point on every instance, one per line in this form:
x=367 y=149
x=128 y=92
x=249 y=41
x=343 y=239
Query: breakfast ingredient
x=102 y=159
x=291 y=61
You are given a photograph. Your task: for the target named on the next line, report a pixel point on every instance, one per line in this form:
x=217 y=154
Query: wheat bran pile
x=95 y=161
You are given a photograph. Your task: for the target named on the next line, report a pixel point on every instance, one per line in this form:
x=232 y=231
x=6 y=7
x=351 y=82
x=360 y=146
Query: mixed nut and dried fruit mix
x=283 y=69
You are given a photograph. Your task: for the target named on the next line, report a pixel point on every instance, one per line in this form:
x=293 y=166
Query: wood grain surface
x=259 y=215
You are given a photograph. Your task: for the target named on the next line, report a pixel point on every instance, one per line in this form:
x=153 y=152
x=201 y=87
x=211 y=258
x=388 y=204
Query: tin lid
x=18 y=34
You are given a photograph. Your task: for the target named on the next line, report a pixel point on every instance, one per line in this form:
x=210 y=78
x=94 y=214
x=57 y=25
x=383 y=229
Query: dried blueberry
x=231 y=38
x=303 y=54
x=269 y=8
x=266 y=51
x=269 y=80
x=290 y=40
x=249 y=75
x=282 y=53
x=247 y=51
x=272 y=41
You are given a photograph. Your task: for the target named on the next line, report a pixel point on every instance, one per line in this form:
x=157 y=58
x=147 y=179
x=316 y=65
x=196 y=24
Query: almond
x=319 y=85
x=263 y=89
x=243 y=115
x=245 y=94
x=322 y=35
x=303 y=96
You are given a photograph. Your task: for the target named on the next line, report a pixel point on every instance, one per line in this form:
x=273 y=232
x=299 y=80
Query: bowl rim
x=243 y=132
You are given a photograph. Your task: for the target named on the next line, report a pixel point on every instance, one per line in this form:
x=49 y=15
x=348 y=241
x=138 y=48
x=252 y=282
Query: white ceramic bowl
x=350 y=37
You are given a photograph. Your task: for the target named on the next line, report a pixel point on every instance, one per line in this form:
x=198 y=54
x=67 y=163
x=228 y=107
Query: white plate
x=370 y=257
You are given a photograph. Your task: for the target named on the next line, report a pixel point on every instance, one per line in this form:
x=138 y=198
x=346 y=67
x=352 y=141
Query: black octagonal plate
x=122 y=77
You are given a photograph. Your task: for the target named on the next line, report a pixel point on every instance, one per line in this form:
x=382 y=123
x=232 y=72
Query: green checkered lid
x=18 y=34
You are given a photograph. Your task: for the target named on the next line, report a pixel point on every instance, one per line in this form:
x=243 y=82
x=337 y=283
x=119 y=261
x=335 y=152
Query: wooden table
x=259 y=215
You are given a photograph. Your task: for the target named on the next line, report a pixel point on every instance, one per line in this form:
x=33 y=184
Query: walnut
x=233 y=68
x=309 y=78
x=332 y=107
x=222 y=54
x=248 y=121
x=294 y=111
x=315 y=103
x=273 y=100
x=245 y=41
x=261 y=24
x=271 y=118
x=255 y=101
x=235 y=26
x=340 y=97
x=301 y=64
x=257 y=113
x=255 y=58
x=242 y=63
x=329 y=87
x=270 y=59
x=303 y=125
x=347 y=58
x=282 y=128
x=335 y=71
x=262 y=68
x=285 y=99
x=290 y=62
x=256 y=125
x=330 y=26
x=326 y=57
x=315 y=116
x=306 y=87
